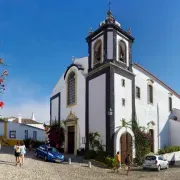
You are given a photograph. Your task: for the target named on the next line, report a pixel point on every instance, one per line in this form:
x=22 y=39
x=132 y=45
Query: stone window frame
x=122 y=42
x=99 y=41
x=150 y=85
x=74 y=102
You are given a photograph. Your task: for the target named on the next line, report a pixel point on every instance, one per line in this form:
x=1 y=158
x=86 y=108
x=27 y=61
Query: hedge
x=35 y=144
x=169 y=149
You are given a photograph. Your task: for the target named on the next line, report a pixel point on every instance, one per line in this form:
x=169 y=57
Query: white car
x=155 y=162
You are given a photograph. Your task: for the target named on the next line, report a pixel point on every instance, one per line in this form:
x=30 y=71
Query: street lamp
x=110 y=112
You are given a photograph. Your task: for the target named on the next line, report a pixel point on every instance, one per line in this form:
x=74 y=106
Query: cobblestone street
x=38 y=169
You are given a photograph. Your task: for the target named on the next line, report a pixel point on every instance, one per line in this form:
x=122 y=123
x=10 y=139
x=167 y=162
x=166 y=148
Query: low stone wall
x=173 y=158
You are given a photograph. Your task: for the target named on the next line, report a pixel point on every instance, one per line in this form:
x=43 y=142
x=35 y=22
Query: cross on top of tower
x=110 y=5
x=110 y=19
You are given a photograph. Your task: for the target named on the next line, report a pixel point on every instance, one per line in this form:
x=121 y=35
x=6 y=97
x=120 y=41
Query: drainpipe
x=158 y=125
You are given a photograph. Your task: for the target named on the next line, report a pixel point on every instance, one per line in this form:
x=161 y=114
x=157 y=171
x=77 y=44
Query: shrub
x=80 y=152
x=169 y=149
x=101 y=156
x=35 y=144
x=91 y=154
x=161 y=151
x=110 y=162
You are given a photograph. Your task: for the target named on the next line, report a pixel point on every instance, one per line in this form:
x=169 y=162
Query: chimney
x=20 y=118
x=33 y=118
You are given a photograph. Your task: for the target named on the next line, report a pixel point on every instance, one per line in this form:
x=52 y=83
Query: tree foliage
x=56 y=134
x=143 y=141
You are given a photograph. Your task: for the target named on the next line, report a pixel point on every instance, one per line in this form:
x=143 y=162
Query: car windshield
x=150 y=158
x=52 y=149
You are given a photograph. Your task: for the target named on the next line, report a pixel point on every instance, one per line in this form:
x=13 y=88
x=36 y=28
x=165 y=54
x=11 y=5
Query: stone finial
x=90 y=30
x=129 y=31
x=73 y=59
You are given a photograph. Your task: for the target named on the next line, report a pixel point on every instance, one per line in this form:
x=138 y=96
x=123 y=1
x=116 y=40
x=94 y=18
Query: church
x=98 y=92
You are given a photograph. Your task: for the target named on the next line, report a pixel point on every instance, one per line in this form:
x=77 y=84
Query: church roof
x=157 y=79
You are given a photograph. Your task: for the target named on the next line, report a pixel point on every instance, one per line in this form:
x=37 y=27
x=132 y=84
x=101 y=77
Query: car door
x=161 y=161
x=43 y=151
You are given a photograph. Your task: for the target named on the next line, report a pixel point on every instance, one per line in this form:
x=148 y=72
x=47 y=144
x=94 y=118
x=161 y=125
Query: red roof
x=158 y=80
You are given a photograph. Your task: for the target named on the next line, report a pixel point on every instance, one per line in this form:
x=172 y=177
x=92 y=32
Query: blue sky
x=39 y=37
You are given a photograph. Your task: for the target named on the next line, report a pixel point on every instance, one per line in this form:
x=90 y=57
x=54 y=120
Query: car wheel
x=159 y=168
x=45 y=158
x=37 y=155
x=144 y=168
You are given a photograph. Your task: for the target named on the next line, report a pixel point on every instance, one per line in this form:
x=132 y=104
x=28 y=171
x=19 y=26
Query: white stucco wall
x=174 y=129
x=122 y=112
x=173 y=157
x=119 y=38
x=20 y=131
x=79 y=108
x=1 y=128
x=149 y=112
x=110 y=44
x=97 y=106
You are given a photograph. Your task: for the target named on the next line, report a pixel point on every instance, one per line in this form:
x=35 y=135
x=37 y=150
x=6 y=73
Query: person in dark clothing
x=128 y=163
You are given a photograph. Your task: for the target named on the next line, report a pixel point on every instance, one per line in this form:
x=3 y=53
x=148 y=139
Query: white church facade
x=96 y=93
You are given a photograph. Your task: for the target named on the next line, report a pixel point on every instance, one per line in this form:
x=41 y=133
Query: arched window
x=150 y=93
x=97 y=52
x=122 y=51
x=71 y=89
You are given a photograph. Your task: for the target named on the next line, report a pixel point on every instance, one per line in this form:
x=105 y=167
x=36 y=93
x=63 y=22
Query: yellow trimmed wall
x=5 y=129
x=11 y=142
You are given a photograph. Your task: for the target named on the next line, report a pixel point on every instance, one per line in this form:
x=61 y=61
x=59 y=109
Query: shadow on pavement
x=74 y=159
x=7 y=163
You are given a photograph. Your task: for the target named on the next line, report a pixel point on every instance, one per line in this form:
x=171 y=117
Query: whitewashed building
x=97 y=92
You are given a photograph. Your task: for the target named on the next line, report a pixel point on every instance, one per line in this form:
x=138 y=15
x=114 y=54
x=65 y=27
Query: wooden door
x=151 y=131
x=126 y=146
x=71 y=139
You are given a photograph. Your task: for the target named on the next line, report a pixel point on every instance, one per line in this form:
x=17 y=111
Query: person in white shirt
x=22 y=152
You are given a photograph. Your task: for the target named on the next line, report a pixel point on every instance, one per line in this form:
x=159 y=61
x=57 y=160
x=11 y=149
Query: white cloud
x=40 y=109
x=23 y=97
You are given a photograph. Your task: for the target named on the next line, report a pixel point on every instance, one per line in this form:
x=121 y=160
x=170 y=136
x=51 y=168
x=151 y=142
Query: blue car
x=49 y=154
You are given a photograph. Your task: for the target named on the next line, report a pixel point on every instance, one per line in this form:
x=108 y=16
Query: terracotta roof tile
x=26 y=121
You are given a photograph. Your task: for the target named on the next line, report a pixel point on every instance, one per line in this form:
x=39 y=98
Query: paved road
x=38 y=169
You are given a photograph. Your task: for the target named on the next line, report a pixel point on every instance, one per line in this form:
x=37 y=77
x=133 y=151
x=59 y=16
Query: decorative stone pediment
x=151 y=122
x=71 y=118
x=151 y=125
x=150 y=81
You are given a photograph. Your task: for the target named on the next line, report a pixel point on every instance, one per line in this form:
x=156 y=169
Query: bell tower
x=110 y=43
x=110 y=83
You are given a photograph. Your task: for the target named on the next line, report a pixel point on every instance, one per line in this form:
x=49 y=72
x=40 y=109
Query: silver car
x=155 y=162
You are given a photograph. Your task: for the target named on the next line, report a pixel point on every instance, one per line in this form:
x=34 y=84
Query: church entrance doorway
x=71 y=133
x=126 y=146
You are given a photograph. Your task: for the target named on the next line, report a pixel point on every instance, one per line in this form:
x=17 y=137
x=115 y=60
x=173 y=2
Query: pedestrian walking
x=22 y=153
x=17 y=152
x=128 y=164
x=118 y=162
x=30 y=144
